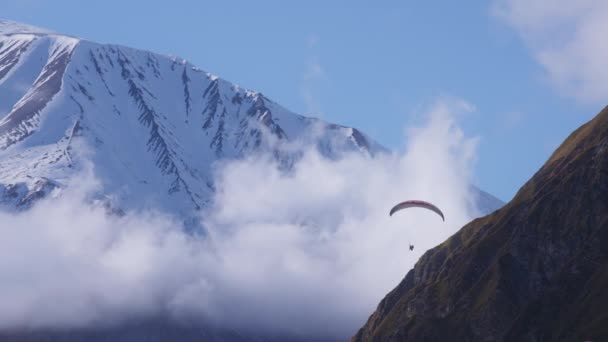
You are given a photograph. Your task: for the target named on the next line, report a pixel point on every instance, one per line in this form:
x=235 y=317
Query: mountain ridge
x=172 y=106
x=153 y=125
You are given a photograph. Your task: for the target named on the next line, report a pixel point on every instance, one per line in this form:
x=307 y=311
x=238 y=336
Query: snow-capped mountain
x=152 y=125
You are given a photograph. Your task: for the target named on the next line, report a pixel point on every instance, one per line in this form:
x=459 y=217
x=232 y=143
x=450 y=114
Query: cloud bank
x=310 y=251
x=567 y=38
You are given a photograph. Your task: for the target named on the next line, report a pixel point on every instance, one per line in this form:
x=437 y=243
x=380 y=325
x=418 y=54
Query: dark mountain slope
x=534 y=270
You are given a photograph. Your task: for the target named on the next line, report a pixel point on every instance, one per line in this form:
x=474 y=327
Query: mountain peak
x=8 y=27
x=155 y=124
x=586 y=136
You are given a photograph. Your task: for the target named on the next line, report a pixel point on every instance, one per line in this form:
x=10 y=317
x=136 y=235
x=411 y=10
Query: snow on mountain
x=152 y=125
x=10 y=27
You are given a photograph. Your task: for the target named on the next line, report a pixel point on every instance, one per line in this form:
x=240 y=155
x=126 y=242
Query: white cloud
x=311 y=251
x=567 y=38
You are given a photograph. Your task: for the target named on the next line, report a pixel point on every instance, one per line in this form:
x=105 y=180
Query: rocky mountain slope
x=534 y=270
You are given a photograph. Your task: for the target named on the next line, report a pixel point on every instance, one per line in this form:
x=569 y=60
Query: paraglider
x=416 y=203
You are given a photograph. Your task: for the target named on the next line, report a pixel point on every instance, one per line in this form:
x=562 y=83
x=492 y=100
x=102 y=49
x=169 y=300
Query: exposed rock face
x=21 y=196
x=534 y=270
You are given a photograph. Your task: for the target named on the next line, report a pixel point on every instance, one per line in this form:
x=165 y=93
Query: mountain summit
x=8 y=27
x=534 y=270
x=152 y=125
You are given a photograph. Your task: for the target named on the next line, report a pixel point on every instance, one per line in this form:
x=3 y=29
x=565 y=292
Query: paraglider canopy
x=416 y=203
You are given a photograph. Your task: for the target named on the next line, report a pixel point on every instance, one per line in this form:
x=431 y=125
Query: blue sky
x=531 y=72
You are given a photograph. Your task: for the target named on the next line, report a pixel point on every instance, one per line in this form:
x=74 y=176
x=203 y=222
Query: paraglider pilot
x=416 y=203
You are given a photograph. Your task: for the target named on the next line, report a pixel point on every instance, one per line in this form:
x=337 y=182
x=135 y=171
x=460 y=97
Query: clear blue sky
x=367 y=64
